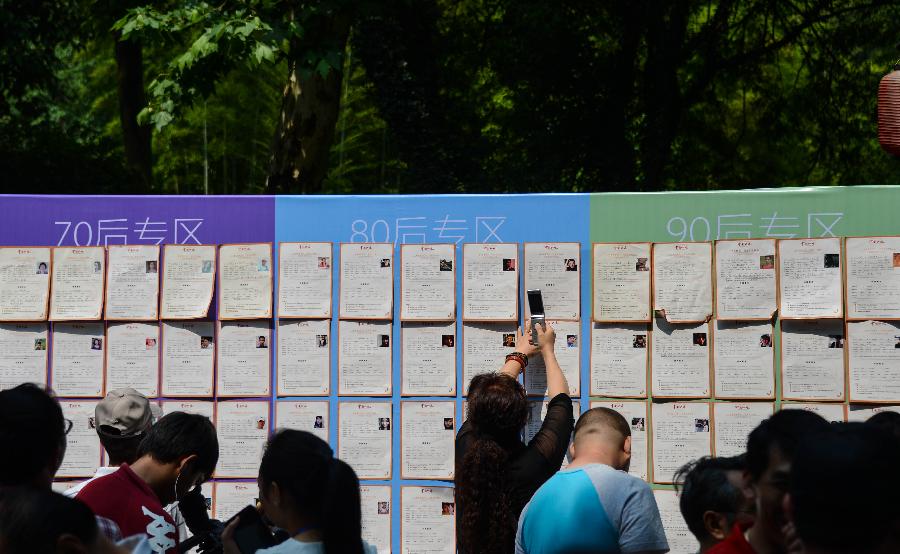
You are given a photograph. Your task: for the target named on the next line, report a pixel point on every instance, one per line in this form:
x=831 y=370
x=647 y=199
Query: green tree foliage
x=417 y=96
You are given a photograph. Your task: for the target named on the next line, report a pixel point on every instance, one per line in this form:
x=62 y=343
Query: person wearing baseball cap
x=121 y=420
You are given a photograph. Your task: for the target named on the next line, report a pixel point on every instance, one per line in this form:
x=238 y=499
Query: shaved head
x=602 y=424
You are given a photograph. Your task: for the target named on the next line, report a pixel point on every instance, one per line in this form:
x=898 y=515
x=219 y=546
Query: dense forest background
x=441 y=96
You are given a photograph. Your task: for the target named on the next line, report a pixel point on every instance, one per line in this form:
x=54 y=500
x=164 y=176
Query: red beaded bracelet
x=522 y=359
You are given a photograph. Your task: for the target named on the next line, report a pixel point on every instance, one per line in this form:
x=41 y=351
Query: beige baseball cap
x=125 y=413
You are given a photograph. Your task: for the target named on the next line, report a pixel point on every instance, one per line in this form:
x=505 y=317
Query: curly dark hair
x=497 y=412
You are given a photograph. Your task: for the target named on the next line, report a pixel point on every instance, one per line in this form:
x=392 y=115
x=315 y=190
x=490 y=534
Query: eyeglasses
x=67 y=426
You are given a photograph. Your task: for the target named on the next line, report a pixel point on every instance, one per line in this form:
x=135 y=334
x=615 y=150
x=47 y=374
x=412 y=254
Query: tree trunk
x=130 y=84
x=310 y=105
x=305 y=131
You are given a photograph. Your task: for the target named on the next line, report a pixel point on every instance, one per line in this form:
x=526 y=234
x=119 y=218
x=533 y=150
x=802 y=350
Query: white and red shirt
x=127 y=500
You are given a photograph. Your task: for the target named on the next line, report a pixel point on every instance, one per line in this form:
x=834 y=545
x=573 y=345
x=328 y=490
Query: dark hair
x=34 y=520
x=31 y=421
x=783 y=431
x=121 y=450
x=844 y=480
x=497 y=412
x=601 y=416
x=889 y=421
x=705 y=487
x=180 y=434
x=320 y=487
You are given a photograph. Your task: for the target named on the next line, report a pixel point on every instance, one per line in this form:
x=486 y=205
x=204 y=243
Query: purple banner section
x=27 y=220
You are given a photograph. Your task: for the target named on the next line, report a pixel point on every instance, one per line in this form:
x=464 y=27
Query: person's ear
x=68 y=543
x=572 y=450
x=273 y=494
x=183 y=466
x=626 y=446
x=183 y=462
x=716 y=525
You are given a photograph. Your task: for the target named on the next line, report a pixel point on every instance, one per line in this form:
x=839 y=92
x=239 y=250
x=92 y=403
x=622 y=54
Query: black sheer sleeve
x=552 y=441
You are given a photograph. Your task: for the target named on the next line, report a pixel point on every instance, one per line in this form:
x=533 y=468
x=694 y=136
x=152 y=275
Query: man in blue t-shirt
x=594 y=505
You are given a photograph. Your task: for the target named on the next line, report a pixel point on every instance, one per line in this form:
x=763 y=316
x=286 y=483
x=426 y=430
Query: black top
x=530 y=465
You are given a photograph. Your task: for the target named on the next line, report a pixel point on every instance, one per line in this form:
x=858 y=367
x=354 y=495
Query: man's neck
x=593 y=455
x=152 y=474
x=760 y=543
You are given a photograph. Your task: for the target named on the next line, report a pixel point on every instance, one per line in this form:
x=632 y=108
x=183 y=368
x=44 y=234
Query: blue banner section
x=435 y=219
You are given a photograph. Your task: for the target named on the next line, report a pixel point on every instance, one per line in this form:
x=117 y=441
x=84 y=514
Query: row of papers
x=821 y=360
x=678 y=432
x=745 y=279
x=427 y=433
x=123 y=282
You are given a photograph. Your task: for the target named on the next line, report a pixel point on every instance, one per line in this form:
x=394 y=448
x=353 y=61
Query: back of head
x=34 y=521
x=497 y=412
x=783 y=430
x=844 y=488
x=32 y=422
x=705 y=487
x=178 y=435
x=122 y=419
x=602 y=424
x=323 y=489
x=497 y=405
x=889 y=421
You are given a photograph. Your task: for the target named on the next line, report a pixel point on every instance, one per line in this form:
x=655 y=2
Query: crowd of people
x=133 y=505
x=803 y=485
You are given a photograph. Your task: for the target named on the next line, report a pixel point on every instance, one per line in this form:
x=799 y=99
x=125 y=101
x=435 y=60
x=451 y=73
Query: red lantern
x=889 y=112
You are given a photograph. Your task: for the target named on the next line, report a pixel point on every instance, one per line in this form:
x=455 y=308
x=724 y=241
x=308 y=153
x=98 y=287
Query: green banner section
x=774 y=213
x=762 y=213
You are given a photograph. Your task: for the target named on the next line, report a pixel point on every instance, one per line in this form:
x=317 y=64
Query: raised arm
x=523 y=346
x=556 y=380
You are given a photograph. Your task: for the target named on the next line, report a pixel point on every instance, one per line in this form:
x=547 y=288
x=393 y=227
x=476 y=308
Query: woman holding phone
x=496 y=473
x=306 y=491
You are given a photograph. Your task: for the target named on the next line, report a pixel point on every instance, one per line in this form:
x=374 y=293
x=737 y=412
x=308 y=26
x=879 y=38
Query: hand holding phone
x=246 y=533
x=536 y=307
x=547 y=336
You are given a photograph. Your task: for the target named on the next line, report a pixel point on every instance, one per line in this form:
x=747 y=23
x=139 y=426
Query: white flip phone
x=536 y=307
